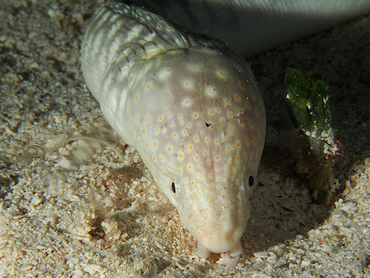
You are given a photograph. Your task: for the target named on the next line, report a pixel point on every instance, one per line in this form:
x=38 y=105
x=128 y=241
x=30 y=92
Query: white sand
x=80 y=209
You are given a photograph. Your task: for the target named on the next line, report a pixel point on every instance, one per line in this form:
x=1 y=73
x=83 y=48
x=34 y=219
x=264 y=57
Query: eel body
x=254 y=26
x=188 y=104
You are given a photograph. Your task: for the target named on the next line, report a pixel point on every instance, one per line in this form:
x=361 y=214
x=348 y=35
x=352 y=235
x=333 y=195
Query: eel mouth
x=203 y=252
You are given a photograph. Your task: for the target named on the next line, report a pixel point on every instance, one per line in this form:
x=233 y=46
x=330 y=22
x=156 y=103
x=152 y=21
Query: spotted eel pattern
x=192 y=110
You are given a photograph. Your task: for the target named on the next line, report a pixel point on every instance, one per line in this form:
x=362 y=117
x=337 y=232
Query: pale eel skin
x=189 y=105
x=254 y=26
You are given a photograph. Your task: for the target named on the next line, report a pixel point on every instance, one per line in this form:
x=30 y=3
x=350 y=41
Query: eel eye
x=251 y=181
x=173 y=188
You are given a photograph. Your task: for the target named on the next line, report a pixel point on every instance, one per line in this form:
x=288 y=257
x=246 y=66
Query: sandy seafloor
x=76 y=208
